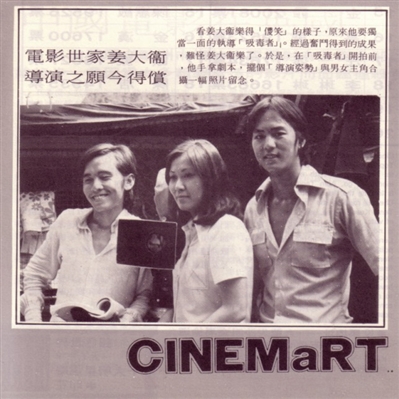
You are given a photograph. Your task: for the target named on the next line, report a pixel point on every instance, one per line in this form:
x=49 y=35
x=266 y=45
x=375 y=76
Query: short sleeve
x=230 y=253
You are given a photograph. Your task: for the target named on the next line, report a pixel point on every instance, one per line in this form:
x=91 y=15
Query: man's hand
x=131 y=316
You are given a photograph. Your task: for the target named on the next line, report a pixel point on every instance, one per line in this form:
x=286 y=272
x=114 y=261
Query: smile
x=270 y=156
x=98 y=196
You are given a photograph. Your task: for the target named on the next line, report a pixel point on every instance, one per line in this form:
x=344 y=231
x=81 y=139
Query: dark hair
x=289 y=111
x=126 y=163
x=218 y=197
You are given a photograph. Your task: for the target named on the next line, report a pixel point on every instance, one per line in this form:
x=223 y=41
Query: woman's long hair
x=218 y=198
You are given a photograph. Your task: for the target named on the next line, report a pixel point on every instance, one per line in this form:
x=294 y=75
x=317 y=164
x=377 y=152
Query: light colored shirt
x=306 y=277
x=212 y=254
x=84 y=276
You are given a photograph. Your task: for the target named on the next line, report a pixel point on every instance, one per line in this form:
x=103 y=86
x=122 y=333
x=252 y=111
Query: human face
x=104 y=185
x=185 y=185
x=276 y=145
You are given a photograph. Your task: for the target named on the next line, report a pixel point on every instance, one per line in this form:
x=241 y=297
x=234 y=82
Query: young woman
x=212 y=281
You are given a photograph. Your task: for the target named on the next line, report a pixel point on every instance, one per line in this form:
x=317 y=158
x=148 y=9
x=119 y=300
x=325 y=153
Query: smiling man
x=305 y=227
x=80 y=248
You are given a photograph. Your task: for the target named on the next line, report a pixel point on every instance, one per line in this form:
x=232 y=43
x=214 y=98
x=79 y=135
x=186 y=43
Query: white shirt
x=306 y=278
x=212 y=254
x=83 y=275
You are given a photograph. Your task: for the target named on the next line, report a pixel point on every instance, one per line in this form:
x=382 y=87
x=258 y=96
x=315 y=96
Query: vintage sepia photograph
x=321 y=236
x=199 y=200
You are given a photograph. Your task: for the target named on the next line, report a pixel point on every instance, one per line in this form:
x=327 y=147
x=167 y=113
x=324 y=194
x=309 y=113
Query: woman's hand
x=167 y=317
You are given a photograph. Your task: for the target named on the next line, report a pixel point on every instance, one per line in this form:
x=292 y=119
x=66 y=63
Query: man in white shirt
x=81 y=245
x=304 y=226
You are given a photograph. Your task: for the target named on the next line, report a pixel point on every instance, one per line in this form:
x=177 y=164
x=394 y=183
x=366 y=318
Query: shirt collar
x=82 y=221
x=308 y=176
x=192 y=229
